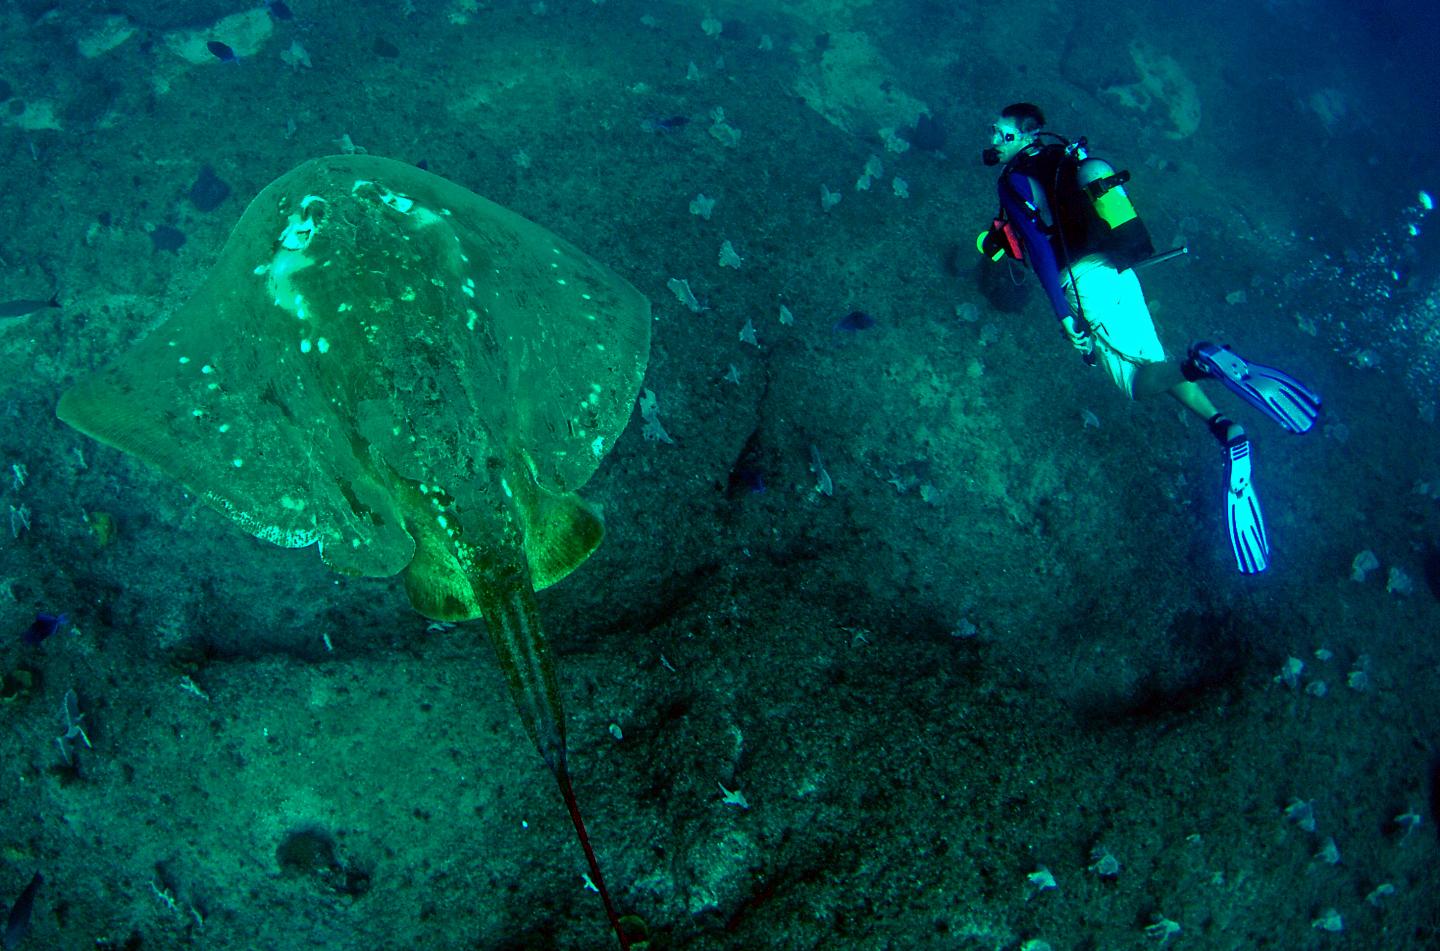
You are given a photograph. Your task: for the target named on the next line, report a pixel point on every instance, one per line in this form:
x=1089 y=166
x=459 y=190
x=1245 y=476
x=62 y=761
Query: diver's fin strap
x=1219 y=426
x=1277 y=394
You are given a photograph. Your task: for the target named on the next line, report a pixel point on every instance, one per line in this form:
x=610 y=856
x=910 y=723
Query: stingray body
x=412 y=378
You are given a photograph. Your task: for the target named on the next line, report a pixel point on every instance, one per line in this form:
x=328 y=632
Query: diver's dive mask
x=1003 y=135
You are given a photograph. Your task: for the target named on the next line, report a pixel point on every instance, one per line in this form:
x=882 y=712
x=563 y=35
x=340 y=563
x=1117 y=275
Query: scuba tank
x=1105 y=188
x=1122 y=236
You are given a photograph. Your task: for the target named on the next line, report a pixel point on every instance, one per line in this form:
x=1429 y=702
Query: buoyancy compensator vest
x=1089 y=210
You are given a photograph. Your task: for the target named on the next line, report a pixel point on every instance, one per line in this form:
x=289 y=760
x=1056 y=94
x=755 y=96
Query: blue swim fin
x=1242 y=510
x=1273 y=392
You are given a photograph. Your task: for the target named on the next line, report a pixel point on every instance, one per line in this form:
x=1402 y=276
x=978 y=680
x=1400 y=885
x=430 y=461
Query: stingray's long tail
x=513 y=622
x=596 y=878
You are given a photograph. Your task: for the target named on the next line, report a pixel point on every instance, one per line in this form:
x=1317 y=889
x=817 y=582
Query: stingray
x=409 y=377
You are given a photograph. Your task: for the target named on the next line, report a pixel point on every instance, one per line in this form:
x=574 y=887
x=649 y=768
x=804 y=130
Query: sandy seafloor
x=1010 y=637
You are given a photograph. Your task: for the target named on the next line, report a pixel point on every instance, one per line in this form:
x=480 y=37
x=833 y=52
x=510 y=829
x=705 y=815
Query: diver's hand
x=1081 y=340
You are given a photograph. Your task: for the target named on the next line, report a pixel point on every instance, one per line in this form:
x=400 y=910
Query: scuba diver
x=1065 y=214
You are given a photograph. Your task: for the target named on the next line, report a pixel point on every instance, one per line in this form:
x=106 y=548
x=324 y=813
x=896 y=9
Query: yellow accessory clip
x=994 y=255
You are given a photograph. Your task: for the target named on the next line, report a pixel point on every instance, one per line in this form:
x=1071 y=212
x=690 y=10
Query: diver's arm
x=1021 y=212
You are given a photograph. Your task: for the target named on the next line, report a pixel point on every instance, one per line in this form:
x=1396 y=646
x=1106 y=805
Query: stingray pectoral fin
x=436 y=584
x=561 y=531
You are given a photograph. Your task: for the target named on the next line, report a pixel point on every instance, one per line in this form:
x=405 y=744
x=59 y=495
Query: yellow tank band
x=1114 y=207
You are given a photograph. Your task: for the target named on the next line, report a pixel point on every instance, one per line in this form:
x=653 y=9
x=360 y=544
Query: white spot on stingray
x=287 y=261
x=237 y=462
x=322 y=345
x=305 y=345
x=597 y=448
x=400 y=203
x=184 y=360
x=207 y=368
x=223 y=427
x=296 y=235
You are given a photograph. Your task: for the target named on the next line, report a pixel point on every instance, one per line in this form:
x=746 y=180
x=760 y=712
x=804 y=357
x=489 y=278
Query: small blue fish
x=167 y=238
x=665 y=124
x=23 y=308
x=855 y=321
x=43 y=626
x=745 y=480
x=222 y=52
x=17 y=923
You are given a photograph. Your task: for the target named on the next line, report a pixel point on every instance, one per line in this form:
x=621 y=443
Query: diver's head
x=1015 y=131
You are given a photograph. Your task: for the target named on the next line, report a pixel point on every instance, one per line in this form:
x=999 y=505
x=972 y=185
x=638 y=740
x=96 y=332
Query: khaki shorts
x=1114 y=307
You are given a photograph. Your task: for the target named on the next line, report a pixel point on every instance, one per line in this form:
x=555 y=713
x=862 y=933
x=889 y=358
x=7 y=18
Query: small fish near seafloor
x=662 y=124
x=17 y=923
x=25 y=307
x=854 y=321
x=222 y=52
x=42 y=627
